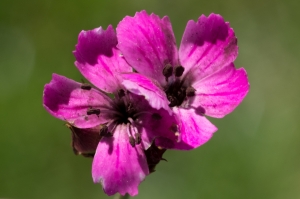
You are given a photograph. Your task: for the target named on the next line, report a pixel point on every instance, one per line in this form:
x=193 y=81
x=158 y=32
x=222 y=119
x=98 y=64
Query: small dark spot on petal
x=131 y=141
x=138 y=138
x=190 y=91
x=156 y=116
x=179 y=71
x=168 y=71
x=200 y=110
x=173 y=101
x=174 y=128
x=92 y=111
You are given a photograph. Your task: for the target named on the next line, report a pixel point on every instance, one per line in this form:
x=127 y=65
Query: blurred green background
x=254 y=154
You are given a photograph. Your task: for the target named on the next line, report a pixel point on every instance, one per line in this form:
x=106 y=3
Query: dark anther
x=173 y=101
x=200 y=110
x=92 y=111
x=156 y=116
x=104 y=131
x=131 y=141
x=138 y=138
x=85 y=86
x=121 y=93
x=190 y=91
x=178 y=71
x=174 y=128
x=168 y=71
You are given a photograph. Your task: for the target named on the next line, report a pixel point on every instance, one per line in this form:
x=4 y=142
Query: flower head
x=198 y=79
x=115 y=131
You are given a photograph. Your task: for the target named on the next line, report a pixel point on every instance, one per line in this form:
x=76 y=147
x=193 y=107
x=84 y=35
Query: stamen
x=168 y=71
x=130 y=120
x=112 y=129
x=85 y=86
x=129 y=133
x=178 y=71
x=92 y=111
x=131 y=141
x=173 y=101
x=190 y=91
x=138 y=138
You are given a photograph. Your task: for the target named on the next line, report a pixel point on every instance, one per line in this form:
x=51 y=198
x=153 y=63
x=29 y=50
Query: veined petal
x=193 y=130
x=141 y=85
x=117 y=165
x=98 y=59
x=156 y=124
x=64 y=99
x=207 y=45
x=148 y=44
x=221 y=92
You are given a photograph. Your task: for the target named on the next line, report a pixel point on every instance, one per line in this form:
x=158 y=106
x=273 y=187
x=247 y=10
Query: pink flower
x=196 y=80
x=120 y=129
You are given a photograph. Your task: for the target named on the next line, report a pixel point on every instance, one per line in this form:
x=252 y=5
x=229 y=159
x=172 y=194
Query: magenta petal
x=141 y=85
x=194 y=130
x=221 y=92
x=117 y=165
x=148 y=43
x=207 y=45
x=156 y=124
x=98 y=59
x=64 y=99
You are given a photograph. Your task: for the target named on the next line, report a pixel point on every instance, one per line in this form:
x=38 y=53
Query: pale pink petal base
x=193 y=131
x=118 y=166
x=64 y=99
x=148 y=43
x=221 y=92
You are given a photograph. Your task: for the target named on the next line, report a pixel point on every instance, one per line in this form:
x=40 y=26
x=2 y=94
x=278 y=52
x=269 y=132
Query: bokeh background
x=254 y=154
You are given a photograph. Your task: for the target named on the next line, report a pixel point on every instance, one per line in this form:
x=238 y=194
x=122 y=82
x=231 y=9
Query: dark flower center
x=123 y=112
x=176 y=91
x=124 y=109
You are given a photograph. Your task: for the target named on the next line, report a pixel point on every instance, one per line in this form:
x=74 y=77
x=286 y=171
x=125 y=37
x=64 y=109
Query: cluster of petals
x=115 y=131
x=161 y=94
x=195 y=81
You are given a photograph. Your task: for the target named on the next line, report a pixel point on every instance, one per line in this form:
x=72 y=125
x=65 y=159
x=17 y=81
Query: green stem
x=119 y=196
